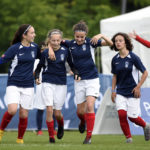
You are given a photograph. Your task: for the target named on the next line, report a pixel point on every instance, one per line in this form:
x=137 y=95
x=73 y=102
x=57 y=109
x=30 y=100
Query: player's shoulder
x=72 y=42
x=63 y=48
x=116 y=56
x=34 y=44
x=45 y=51
x=88 y=40
x=133 y=55
x=15 y=47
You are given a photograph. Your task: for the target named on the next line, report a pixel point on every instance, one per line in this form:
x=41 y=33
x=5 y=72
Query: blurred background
x=45 y=15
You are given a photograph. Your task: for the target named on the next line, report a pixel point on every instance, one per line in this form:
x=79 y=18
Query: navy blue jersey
x=54 y=71
x=21 y=68
x=127 y=71
x=83 y=58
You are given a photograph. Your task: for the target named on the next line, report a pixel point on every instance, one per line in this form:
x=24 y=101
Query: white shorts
x=85 y=88
x=38 y=101
x=54 y=95
x=19 y=95
x=131 y=105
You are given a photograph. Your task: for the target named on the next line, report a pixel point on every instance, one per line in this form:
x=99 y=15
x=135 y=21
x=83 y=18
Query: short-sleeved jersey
x=54 y=71
x=22 y=61
x=127 y=72
x=83 y=58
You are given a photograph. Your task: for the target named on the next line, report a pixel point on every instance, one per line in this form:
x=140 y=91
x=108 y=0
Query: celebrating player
x=87 y=80
x=54 y=88
x=20 y=84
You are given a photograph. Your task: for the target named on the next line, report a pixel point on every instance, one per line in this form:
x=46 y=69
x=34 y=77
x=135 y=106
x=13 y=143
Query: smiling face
x=55 y=40
x=30 y=35
x=79 y=37
x=120 y=42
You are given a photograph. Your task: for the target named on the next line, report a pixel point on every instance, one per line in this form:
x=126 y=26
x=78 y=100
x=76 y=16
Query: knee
x=90 y=107
x=23 y=113
x=49 y=111
x=12 y=111
x=58 y=114
x=81 y=109
x=80 y=112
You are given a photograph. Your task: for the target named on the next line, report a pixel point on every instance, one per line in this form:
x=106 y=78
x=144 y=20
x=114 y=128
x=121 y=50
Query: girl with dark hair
x=86 y=80
x=126 y=85
x=20 y=86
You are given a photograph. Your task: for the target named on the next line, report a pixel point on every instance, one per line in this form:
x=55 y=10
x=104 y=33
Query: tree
x=45 y=15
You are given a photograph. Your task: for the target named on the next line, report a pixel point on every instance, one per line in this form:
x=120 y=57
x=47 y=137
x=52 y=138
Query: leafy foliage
x=45 y=15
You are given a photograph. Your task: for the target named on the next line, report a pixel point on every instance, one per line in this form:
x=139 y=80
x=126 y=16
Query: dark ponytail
x=23 y=29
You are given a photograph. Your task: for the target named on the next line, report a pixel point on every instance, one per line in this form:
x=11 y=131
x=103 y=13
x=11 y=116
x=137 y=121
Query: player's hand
x=132 y=35
x=77 y=77
x=38 y=81
x=113 y=96
x=137 y=92
x=51 y=53
x=95 y=39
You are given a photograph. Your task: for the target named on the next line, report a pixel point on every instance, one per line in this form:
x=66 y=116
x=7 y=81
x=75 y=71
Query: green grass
x=72 y=140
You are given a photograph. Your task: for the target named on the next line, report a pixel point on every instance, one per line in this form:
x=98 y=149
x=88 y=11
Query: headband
x=55 y=32
x=27 y=29
x=80 y=31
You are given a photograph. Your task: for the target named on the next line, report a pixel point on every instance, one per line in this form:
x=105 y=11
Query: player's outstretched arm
x=105 y=42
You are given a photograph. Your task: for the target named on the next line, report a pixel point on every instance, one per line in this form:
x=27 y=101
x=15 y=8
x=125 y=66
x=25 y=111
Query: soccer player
x=87 y=80
x=139 y=39
x=38 y=104
x=20 y=85
x=54 y=88
x=38 y=101
x=126 y=85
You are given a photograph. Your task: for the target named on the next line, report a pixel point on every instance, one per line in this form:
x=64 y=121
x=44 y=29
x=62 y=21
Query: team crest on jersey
x=62 y=57
x=84 y=47
x=32 y=54
x=126 y=64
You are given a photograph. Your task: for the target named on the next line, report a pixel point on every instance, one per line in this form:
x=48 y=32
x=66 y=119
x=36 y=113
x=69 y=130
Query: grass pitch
x=72 y=140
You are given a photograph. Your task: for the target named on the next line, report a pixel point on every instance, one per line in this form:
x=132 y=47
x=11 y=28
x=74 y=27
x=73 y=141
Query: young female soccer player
x=126 y=85
x=38 y=101
x=54 y=87
x=20 y=86
x=87 y=80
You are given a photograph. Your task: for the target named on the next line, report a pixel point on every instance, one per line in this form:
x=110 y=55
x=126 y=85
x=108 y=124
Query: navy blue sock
x=39 y=118
x=55 y=122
